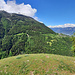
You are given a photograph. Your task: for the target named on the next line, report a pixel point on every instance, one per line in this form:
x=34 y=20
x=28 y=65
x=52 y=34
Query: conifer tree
x=73 y=42
x=10 y=53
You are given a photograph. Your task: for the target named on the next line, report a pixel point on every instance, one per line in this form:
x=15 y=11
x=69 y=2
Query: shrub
x=18 y=57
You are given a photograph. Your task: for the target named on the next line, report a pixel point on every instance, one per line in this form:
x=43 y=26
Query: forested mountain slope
x=17 y=23
x=22 y=34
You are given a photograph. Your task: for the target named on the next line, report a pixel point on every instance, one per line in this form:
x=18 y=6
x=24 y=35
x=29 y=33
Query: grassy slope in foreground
x=37 y=64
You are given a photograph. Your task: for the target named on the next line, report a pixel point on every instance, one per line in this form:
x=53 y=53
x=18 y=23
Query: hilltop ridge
x=38 y=64
x=22 y=23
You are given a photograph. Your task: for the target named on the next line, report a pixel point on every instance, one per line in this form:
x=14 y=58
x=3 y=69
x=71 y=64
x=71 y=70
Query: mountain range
x=66 y=30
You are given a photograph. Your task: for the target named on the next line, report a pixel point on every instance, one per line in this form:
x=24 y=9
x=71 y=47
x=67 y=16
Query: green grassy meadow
x=38 y=64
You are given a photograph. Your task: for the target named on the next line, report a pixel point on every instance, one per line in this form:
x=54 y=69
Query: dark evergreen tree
x=2 y=31
x=73 y=42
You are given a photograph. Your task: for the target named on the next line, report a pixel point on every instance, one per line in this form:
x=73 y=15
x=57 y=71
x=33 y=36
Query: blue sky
x=53 y=12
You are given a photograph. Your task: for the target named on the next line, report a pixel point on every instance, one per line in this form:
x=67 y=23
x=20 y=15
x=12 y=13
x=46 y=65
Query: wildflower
x=47 y=56
x=28 y=60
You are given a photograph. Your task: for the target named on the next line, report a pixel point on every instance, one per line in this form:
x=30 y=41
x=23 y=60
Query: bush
x=18 y=57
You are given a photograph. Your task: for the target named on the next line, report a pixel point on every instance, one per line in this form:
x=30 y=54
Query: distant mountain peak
x=65 y=30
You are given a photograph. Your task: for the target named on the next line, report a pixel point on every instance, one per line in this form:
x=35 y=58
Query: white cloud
x=41 y=22
x=62 y=26
x=12 y=7
x=36 y=18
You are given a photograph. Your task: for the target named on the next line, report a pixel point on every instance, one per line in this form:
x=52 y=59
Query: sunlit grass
x=37 y=64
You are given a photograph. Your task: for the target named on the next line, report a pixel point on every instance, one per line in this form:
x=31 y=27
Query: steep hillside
x=38 y=64
x=17 y=23
x=66 y=30
x=21 y=34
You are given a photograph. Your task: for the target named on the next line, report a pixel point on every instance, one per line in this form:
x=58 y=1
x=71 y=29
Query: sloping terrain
x=38 y=64
x=21 y=34
x=15 y=29
x=17 y=23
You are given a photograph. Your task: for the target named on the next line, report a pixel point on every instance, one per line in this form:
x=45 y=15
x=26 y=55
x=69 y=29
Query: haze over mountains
x=68 y=29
